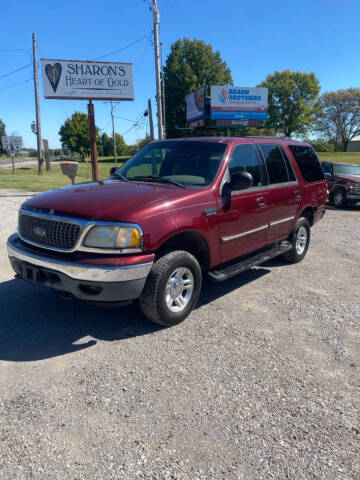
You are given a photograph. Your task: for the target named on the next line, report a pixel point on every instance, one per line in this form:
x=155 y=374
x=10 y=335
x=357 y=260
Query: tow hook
x=67 y=296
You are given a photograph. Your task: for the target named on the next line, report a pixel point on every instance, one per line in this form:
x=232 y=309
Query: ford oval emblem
x=40 y=232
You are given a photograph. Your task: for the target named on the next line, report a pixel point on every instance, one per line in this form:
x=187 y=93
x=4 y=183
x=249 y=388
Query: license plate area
x=31 y=274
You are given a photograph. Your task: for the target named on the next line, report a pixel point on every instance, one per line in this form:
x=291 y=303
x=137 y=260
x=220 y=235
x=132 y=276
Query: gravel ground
x=261 y=381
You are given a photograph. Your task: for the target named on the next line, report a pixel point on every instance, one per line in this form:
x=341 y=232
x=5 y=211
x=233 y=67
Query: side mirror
x=327 y=175
x=113 y=171
x=241 y=180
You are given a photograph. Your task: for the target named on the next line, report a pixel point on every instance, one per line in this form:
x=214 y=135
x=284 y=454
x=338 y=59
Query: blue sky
x=254 y=38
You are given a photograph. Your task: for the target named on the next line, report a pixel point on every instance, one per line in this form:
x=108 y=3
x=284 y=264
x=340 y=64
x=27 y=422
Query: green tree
x=142 y=143
x=340 y=115
x=75 y=136
x=293 y=101
x=2 y=132
x=190 y=65
x=107 y=145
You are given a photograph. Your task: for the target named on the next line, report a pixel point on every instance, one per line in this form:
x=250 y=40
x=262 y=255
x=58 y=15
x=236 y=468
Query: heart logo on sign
x=53 y=72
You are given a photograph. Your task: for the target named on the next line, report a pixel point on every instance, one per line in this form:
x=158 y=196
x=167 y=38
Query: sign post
x=92 y=129
x=12 y=143
x=88 y=80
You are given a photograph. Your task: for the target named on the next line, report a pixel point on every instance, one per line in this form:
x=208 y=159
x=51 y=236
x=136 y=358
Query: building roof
x=356 y=139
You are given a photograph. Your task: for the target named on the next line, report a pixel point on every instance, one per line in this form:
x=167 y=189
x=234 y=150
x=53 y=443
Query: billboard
x=85 y=80
x=195 y=105
x=238 y=103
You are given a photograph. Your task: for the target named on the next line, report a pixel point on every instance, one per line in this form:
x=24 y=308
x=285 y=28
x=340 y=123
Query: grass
x=343 y=157
x=27 y=178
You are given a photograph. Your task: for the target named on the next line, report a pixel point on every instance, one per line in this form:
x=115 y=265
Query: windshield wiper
x=159 y=179
x=116 y=174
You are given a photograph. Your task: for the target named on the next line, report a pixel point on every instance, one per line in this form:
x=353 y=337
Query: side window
x=327 y=168
x=245 y=159
x=308 y=162
x=275 y=163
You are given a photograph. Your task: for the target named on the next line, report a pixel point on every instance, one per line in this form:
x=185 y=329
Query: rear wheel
x=300 y=240
x=172 y=288
x=339 y=198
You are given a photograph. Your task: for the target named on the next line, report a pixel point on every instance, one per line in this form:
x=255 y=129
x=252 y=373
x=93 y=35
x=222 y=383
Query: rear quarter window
x=308 y=163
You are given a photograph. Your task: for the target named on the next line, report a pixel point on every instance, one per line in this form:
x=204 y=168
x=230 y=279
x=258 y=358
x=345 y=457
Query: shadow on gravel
x=212 y=290
x=35 y=323
x=348 y=208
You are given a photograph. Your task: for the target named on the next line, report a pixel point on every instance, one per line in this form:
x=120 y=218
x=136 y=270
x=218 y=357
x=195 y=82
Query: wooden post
x=37 y=104
x=13 y=161
x=92 y=129
x=156 y=19
x=151 y=119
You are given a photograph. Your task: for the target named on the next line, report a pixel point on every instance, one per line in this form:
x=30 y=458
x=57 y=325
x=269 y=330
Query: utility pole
x=92 y=128
x=37 y=104
x=163 y=89
x=151 y=119
x=156 y=19
x=113 y=129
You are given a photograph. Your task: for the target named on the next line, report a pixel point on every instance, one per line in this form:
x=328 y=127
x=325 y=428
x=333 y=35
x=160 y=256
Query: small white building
x=354 y=145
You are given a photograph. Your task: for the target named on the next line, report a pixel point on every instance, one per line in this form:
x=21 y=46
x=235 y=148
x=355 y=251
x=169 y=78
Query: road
x=261 y=382
x=19 y=162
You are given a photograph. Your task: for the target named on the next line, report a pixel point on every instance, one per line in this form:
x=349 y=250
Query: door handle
x=261 y=201
x=298 y=195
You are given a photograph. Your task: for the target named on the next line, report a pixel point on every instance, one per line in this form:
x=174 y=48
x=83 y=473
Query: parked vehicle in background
x=343 y=181
x=176 y=211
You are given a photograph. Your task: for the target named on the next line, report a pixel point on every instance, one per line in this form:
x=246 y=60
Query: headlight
x=103 y=236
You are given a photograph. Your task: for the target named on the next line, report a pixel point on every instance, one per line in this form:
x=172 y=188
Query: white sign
x=84 y=80
x=11 y=143
x=195 y=105
x=238 y=103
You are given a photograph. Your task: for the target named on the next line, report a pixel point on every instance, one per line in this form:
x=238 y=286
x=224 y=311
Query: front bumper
x=354 y=196
x=100 y=283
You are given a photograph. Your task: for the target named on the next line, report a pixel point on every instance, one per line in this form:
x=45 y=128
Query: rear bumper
x=101 y=283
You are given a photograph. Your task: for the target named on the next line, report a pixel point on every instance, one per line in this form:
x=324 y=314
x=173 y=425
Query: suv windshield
x=178 y=162
x=347 y=169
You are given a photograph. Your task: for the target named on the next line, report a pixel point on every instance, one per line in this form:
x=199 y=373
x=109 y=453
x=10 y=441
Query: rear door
x=285 y=192
x=245 y=214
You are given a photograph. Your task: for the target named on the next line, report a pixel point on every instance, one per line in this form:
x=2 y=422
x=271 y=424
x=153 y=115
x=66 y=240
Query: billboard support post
x=92 y=129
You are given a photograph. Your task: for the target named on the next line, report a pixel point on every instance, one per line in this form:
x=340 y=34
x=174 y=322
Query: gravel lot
x=261 y=381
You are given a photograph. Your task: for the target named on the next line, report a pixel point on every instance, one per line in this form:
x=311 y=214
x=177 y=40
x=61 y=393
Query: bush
x=322 y=145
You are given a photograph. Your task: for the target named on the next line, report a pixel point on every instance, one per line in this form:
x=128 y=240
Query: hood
x=351 y=178
x=110 y=200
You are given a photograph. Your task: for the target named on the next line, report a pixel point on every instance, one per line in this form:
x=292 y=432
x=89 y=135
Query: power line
x=17 y=50
x=127 y=119
x=17 y=70
x=123 y=48
x=16 y=84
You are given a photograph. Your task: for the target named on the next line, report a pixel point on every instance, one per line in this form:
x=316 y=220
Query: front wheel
x=339 y=198
x=172 y=288
x=300 y=240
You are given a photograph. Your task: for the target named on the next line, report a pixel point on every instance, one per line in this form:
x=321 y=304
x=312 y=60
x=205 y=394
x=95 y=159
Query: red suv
x=344 y=183
x=177 y=210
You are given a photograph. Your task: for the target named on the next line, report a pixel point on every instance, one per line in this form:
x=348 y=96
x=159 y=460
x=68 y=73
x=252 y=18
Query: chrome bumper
x=99 y=283
x=76 y=271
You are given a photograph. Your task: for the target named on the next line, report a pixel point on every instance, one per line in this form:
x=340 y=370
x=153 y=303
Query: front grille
x=49 y=232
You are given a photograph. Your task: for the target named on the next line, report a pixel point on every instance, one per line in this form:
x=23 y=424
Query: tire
x=339 y=198
x=174 y=275
x=300 y=238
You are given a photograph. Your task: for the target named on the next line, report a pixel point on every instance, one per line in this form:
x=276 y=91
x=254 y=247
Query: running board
x=235 y=268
